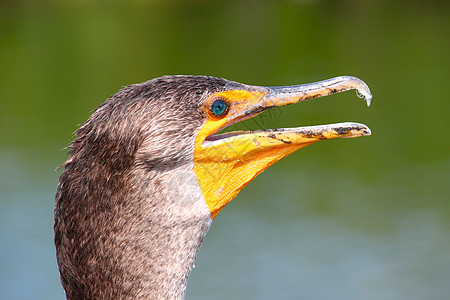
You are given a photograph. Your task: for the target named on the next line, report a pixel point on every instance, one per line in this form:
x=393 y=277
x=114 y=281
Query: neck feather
x=138 y=241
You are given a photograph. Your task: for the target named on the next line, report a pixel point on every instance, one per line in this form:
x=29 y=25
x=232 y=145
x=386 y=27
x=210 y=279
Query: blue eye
x=219 y=108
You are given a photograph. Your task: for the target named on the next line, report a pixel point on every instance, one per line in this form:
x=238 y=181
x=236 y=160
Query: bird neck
x=141 y=243
x=179 y=223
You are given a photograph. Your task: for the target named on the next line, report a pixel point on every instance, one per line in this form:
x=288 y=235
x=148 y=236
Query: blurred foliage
x=59 y=60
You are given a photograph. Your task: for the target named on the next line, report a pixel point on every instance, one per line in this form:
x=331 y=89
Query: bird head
x=226 y=163
x=175 y=120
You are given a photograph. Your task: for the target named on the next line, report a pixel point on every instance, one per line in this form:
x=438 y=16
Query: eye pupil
x=219 y=108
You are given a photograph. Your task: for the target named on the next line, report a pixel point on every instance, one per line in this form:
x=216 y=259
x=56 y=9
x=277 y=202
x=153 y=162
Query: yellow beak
x=226 y=163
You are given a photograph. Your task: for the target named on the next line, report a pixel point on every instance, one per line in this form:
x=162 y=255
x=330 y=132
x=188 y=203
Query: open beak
x=225 y=163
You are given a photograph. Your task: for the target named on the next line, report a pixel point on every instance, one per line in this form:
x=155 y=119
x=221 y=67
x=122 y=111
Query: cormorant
x=147 y=173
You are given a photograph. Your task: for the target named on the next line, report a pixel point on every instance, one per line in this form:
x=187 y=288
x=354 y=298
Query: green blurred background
x=365 y=218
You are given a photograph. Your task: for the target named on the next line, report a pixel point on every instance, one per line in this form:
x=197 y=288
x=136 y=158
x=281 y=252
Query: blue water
x=276 y=240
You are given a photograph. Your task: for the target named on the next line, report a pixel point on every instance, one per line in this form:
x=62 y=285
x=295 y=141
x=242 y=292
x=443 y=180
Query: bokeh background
x=365 y=218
